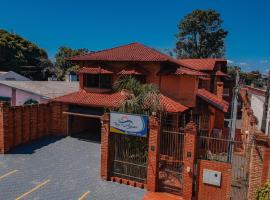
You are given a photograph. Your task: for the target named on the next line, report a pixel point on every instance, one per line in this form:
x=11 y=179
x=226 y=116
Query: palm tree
x=141 y=98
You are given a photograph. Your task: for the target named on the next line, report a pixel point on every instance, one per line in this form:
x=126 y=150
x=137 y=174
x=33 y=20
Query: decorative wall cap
x=262 y=139
x=190 y=127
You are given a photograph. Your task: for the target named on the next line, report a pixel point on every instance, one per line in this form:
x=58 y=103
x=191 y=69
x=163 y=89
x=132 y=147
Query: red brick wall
x=219 y=119
x=21 y=124
x=189 y=159
x=220 y=90
x=181 y=88
x=58 y=120
x=4 y=131
x=105 y=147
x=153 y=155
x=259 y=163
x=209 y=192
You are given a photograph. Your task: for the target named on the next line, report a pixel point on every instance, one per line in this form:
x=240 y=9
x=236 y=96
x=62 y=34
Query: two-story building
x=183 y=92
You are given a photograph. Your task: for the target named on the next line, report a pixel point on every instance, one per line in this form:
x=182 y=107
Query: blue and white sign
x=128 y=124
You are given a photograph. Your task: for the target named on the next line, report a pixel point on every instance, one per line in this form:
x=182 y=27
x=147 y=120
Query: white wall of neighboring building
x=257 y=104
x=5 y=91
x=267 y=130
x=21 y=95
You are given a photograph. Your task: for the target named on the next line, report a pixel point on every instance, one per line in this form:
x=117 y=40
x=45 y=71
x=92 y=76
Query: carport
x=84 y=122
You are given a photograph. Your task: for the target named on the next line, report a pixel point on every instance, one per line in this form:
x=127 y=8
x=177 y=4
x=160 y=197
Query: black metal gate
x=171 y=164
x=129 y=157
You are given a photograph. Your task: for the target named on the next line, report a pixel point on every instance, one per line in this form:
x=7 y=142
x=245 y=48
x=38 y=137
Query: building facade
x=186 y=102
x=182 y=91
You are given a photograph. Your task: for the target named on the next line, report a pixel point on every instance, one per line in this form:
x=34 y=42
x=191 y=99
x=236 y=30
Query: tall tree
x=62 y=66
x=201 y=35
x=16 y=53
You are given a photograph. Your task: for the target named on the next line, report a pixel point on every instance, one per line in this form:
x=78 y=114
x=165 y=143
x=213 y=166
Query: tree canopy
x=62 y=66
x=254 y=77
x=201 y=35
x=20 y=55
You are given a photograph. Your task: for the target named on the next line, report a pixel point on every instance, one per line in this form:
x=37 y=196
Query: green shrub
x=263 y=193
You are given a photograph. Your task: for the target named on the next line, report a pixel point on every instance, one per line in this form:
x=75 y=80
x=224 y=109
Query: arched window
x=30 y=102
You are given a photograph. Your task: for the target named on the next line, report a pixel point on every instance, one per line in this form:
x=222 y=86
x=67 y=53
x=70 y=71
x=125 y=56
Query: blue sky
x=99 y=24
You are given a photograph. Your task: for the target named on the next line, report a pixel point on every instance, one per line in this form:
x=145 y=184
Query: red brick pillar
x=259 y=163
x=64 y=120
x=81 y=80
x=189 y=159
x=4 y=128
x=266 y=160
x=153 y=154
x=220 y=90
x=105 y=147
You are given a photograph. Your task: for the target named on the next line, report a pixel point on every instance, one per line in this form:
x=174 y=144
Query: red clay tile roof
x=113 y=100
x=256 y=91
x=169 y=105
x=205 y=64
x=134 y=52
x=130 y=52
x=94 y=70
x=213 y=100
x=132 y=71
x=220 y=73
x=181 y=71
x=108 y=100
x=205 y=78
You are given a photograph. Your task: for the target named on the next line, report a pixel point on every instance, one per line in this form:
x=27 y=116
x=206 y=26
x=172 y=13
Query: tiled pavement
x=60 y=169
x=160 y=196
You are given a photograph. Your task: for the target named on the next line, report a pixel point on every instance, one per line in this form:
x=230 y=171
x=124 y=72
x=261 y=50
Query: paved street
x=58 y=169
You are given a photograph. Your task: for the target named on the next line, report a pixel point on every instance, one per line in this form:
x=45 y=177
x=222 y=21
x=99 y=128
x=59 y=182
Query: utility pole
x=265 y=105
x=233 y=116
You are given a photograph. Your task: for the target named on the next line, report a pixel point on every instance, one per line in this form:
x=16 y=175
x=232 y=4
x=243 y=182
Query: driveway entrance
x=58 y=169
x=84 y=122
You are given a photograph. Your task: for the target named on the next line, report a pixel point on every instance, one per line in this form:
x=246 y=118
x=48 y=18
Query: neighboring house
x=19 y=92
x=12 y=76
x=257 y=100
x=181 y=93
x=72 y=76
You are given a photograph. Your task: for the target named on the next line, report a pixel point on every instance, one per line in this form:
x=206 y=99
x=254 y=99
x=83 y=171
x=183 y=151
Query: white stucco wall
x=257 y=107
x=267 y=130
x=5 y=91
x=21 y=96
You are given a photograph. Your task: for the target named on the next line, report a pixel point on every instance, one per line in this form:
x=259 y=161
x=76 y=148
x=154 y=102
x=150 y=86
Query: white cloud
x=264 y=61
x=243 y=64
x=230 y=61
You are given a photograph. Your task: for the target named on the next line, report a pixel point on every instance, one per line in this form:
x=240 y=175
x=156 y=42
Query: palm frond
x=143 y=97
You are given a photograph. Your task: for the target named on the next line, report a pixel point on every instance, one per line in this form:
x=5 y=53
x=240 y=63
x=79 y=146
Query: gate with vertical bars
x=171 y=160
x=129 y=157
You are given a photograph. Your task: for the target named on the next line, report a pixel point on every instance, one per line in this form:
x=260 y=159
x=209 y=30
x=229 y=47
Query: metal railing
x=217 y=148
